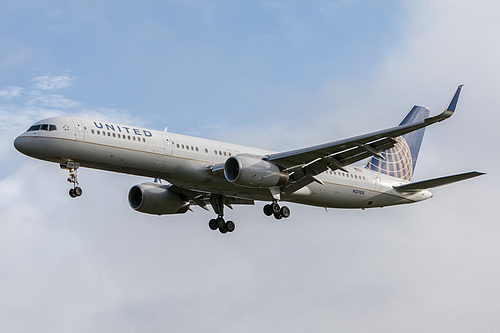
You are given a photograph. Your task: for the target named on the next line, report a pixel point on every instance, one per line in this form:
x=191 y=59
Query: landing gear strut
x=75 y=191
x=277 y=211
x=217 y=202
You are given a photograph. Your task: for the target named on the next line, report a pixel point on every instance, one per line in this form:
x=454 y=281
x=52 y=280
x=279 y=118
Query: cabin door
x=79 y=130
x=167 y=144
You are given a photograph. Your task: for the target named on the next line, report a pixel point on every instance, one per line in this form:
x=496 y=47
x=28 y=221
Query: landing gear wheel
x=223 y=230
x=268 y=210
x=78 y=191
x=278 y=216
x=285 y=211
x=220 y=222
x=276 y=208
x=212 y=224
x=230 y=226
x=72 y=193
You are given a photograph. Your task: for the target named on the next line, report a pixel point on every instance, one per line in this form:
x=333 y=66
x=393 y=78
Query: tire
x=285 y=211
x=78 y=191
x=276 y=208
x=278 y=216
x=268 y=210
x=230 y=226
x=220 y=222
x=212 y=224
x=72 y=193
x=223 y=230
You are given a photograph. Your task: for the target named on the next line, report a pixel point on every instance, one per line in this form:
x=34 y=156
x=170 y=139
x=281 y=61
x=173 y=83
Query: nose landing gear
x=75 y=191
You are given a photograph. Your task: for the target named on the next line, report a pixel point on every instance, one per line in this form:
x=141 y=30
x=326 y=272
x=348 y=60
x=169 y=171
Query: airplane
x=202 y=172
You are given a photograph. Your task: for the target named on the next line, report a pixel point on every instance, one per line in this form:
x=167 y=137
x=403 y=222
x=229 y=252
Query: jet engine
x=153 y=198
x=253 y=171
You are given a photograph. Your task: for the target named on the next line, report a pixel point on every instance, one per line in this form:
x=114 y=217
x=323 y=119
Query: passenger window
x=143 y=140
x=119 y=136
x=114 y=135
x=128 y=137
x=109 y=134
x=196 y=148
x=206 y=150
x=192 y=148
x=98 y=132
x=92 y=131
x=215 y=152
x=133 y=138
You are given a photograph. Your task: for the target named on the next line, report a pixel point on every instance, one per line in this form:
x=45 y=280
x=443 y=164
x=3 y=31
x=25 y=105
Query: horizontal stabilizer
x=430 y=183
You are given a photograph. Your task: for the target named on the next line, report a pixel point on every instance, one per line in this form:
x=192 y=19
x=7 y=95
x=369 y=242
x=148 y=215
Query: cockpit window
x=42 y=127
x=34 y=128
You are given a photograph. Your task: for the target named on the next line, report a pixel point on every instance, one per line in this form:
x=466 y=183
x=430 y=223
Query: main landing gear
x=220 y=224
x=275 y=209
x=217 y=202
x=75 y=191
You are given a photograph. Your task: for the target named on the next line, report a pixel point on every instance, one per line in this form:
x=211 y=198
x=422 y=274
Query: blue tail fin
x=400 y=160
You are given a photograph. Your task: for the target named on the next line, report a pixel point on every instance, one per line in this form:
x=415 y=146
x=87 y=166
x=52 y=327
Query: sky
x=274 y=74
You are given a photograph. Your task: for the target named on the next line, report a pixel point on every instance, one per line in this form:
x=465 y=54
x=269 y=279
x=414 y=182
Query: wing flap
x=436 y=182
x=202 y=199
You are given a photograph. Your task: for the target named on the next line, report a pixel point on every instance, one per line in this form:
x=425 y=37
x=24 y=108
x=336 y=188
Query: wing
x=305 y=164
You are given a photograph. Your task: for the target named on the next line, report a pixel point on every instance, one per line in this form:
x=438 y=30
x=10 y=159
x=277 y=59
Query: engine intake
x=153 y=198
x=253 y=171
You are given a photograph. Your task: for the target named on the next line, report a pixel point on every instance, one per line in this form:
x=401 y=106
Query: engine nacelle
x=153 y=198
x=252 y=171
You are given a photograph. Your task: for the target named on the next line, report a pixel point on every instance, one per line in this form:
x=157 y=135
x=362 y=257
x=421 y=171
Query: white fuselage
x=186 y=161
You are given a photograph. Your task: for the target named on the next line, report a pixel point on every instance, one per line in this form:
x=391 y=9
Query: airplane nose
x=23 y=144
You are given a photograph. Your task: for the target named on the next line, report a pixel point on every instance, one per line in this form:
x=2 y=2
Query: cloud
x=49 y=82
x=53 y=101
x=11 y=92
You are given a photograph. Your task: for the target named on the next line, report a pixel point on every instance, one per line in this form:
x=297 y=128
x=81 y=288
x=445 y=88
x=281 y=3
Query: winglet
x=450 y=109
x=454 y=100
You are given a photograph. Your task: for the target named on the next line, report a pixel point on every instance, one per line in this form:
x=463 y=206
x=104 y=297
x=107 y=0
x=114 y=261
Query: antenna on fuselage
x=165 y=129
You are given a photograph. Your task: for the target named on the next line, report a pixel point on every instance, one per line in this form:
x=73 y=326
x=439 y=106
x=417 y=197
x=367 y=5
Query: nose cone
x=23 y=144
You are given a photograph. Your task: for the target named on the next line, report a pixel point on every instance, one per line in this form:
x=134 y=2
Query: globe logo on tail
x=397 y=162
